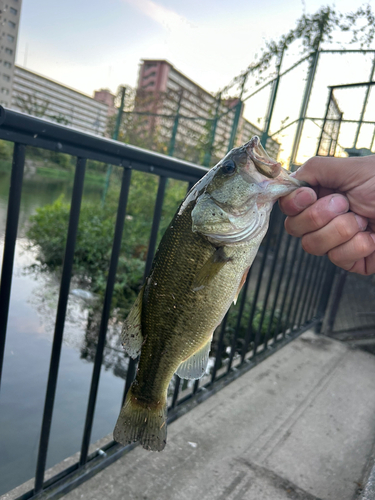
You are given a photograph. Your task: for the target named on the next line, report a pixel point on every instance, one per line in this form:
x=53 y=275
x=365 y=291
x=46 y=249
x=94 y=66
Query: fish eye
x=229 y=167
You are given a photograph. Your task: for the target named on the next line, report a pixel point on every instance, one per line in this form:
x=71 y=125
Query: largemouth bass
x=198 y=271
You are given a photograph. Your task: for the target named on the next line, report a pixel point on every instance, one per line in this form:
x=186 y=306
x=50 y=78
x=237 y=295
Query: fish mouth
x=263 y=163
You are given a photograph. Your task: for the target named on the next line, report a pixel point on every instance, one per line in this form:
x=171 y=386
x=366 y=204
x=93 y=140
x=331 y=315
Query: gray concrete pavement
x=300 y=426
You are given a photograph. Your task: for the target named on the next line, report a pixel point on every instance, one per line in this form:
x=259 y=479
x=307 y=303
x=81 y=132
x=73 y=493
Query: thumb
x=336 y=173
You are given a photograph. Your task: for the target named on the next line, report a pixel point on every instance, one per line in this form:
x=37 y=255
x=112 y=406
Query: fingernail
x=338 y=204
x=372 y=236
x=362 y=222
x=303 y=199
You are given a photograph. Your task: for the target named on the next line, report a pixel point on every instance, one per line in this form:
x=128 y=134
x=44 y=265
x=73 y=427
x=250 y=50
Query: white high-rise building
x=10 y=11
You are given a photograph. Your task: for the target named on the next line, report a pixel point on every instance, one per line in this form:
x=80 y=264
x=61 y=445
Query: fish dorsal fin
x=210 y=269
x=195 y=366
x=131 y=335
x=242 y=282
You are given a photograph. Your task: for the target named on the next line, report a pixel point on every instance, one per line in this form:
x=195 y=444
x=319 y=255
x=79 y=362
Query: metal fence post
x=114 y=137
x=175 y=127
x=364 y=105
x=271 y=104
x=207 y=156
x=324 y=298
x=338 y=290
x=304 y=105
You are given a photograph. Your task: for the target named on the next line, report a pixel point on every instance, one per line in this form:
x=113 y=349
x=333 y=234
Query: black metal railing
x=286 y=291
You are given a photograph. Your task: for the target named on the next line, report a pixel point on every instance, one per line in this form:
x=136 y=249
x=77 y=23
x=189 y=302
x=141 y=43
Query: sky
x=91 y=44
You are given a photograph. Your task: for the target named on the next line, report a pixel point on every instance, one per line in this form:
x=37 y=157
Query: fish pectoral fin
x=195 y=366
x=131 y=334
x=210 y=269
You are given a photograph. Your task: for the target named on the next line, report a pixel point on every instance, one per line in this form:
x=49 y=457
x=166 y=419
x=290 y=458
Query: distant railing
x=285 y=294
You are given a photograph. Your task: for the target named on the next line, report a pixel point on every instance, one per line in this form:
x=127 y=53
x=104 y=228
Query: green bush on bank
x=48 y=229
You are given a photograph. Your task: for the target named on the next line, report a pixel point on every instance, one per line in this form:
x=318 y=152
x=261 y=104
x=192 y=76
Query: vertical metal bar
x=155 y=224
x=281 y=275
x=237 y=114
x=60 y=322
x=196 y=386
x=220 y=346
x=309 y=275
x=301 y=285
x=373 y=139
x=339 y=288
x=190 y=185
x=14 y=202
x=270 y=279
x=271 y=105
x=175 y=126
x=150 y=257
x=207 y=156
x=116 y=247
x=286 y=289
x=325 y=120
x=304 y=106
x=319 y=286
x=365 y=101
x=324 y=299
x=294 y=288
x=114 y=137
x=337 y=133
x=235 y=123
x=239 y=317
x=176 y=391
x=311 y=288
x=249 y=332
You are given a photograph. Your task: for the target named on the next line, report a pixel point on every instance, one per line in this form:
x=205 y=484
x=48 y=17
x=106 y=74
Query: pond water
x=28 y=348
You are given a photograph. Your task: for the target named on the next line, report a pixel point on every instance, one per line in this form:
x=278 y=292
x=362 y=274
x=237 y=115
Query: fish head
x=234 y=199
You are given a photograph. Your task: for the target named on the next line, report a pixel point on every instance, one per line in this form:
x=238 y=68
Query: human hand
x=337 y=216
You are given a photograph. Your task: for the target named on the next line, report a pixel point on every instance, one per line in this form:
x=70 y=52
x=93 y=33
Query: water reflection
x=30 y=330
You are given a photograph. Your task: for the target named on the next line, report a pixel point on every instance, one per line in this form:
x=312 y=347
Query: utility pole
x=114 y=137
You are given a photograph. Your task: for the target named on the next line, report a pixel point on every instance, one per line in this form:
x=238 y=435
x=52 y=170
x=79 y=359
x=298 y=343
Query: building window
x=6 y=78
x=4 y=91
x=8 y=51
x=13 y=11
x=10 y=38
x=11 y=24
x=7 y=64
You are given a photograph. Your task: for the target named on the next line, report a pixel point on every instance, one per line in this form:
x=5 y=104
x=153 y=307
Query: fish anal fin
x=210 y=269
x=242 y=282
x=131 y=334
x=195 y=366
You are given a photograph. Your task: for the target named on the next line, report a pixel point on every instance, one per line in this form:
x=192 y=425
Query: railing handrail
x=39 y=132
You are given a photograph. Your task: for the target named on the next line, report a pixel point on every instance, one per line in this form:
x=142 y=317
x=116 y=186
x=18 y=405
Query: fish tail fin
x=143 y=422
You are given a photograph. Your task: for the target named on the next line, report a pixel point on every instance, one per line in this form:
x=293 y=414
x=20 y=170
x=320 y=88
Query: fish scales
x=171 y=306
x=197 y=272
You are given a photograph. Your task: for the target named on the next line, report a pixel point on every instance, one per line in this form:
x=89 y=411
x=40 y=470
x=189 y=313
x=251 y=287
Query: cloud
x=169 y=19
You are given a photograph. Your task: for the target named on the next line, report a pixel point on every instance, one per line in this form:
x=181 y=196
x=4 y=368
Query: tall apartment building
x=10 y=11
x=162 y=90
x=39 y=96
